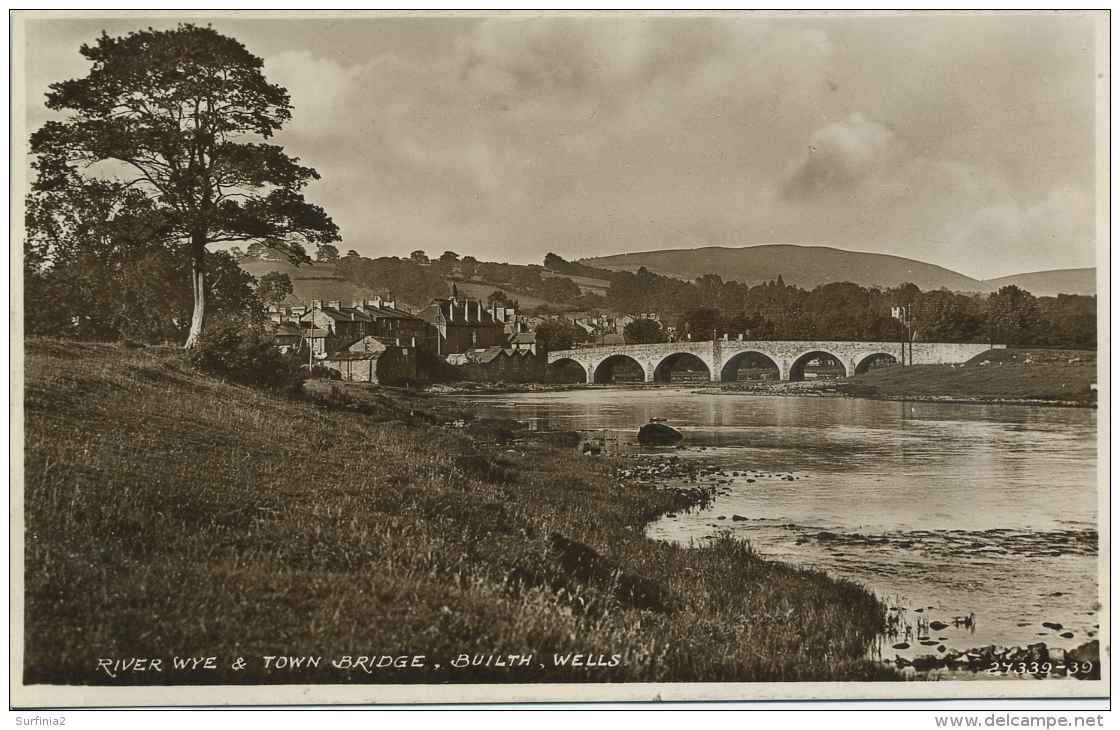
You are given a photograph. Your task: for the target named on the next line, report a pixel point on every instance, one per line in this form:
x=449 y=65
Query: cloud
x=844 y=154
x=920 y=136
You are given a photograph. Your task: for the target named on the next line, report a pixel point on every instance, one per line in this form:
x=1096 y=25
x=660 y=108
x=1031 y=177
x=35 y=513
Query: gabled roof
x=363 y=345
x=486 y=355
x=385 y=312
x=524 y=338
x=458 y=311
x=287 y=329
x=359 y=314
x=338 y=315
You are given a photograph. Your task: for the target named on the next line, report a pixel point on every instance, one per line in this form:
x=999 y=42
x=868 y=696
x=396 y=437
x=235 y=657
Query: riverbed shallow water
x=978 y=517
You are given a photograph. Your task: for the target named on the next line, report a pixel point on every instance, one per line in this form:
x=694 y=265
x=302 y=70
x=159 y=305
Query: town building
x=333 y=327
x=455 y=326
x=502 y=365
x=373 y=360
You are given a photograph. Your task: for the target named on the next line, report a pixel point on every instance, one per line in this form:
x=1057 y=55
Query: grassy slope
x=1050 y=376
x=170 y=514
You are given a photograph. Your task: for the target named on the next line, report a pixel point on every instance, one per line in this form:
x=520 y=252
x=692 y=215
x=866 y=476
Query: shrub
x=243 y=351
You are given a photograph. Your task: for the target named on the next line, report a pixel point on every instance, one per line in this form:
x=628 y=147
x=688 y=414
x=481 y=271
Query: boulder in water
x=658 y=434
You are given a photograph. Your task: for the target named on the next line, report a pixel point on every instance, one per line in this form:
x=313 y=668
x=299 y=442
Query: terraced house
x=334 y=327
x=458 y=325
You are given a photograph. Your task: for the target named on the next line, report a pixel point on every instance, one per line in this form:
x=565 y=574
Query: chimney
x=391 y=305
x=334 y=305
x=316 y=303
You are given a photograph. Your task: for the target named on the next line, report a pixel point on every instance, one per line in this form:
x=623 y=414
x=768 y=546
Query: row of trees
x=1010 y=316
x=711 y=307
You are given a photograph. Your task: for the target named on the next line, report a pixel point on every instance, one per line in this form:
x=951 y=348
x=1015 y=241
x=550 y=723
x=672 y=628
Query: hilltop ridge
x=811 y=266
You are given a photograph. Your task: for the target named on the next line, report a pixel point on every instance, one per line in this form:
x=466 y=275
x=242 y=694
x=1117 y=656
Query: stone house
x=288 y=335
x=504 y=364
x=340 y=327
x=388 y=320
x=374 y=360
x=346 y=325
x=524 y=342
x=455 y=326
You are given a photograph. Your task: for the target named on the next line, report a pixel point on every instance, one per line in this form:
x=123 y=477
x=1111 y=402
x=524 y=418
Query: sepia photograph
x=526 y=356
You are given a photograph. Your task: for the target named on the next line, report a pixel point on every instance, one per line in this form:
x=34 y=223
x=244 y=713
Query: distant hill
x=1051 y=283
x=811 y=266
x=804 y=266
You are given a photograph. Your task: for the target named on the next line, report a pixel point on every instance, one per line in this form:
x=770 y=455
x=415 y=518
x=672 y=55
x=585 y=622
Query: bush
x=241 y=350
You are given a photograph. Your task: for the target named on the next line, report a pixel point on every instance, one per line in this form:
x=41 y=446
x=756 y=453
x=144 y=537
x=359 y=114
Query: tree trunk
x=198 y=284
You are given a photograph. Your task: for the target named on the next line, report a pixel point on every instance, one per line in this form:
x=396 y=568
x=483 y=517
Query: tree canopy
x=643 y=331
x=99 y=265
x=274 y=287
x=165 y=114
x=1013 y=317
x=557 y=335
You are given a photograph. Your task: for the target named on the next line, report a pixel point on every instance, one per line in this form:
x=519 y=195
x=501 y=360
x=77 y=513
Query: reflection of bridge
x=723 y=358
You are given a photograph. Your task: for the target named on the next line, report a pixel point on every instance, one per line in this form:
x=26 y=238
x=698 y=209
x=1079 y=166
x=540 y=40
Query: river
x=945 y=511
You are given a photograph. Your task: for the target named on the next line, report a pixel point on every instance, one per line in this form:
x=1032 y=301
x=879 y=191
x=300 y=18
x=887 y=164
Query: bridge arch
x=663 y=372
x=629 y=370
x=822 y=363
x=758 y=365
x=568 y=370
x=875 y=359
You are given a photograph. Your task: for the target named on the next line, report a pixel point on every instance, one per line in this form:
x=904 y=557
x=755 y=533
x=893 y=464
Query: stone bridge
x=723 y=358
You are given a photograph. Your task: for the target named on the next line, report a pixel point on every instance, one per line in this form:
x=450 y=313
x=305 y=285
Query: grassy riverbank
x=1032 y=376
x=171 y=515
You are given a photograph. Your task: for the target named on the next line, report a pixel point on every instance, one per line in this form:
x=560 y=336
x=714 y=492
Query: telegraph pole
x=902 y=313
x=910 y=331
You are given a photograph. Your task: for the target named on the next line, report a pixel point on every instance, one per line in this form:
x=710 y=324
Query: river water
x=946 y=511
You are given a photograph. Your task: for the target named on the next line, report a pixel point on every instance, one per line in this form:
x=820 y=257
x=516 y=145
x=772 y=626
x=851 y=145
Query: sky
x=964 y=140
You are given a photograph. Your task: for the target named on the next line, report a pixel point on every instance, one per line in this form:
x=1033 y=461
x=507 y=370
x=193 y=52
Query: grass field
x=171 y=515
x=1009 y=374
x=1060 y=376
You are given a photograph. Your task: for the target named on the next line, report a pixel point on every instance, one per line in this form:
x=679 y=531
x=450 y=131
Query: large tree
x=1013 y=317
x=274 y=287
x=166 y=113
x=557 y=335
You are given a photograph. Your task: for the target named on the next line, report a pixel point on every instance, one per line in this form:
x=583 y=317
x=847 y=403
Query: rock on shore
x=658 y=434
